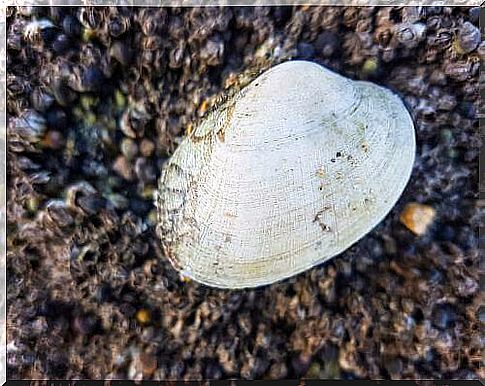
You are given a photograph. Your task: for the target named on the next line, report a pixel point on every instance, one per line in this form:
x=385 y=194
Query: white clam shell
x=290 y=172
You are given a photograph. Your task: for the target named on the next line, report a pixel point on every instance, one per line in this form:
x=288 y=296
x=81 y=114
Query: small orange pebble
x=149 y=363
x=185 y=279
x=417 y=217
x=53 y=140
x=189 y=129
x=203 y=106
x=143 y=316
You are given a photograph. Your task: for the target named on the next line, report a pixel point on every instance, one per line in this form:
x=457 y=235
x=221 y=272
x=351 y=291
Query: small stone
x=417 y=217
x=120 y=99
x=32 y=204
x=143 y=316
x=53 y=140
x=203 y=107
x=145 y=170
x=278 y=371
x=152 y=217
x=147 y=192
x=123 y=167
x=314 y=371
x=129 y=148
x=370 y=67
x=149 y=363
x=40 y=325
x=147 y=147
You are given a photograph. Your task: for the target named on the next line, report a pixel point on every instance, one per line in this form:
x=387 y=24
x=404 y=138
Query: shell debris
x=417 y=217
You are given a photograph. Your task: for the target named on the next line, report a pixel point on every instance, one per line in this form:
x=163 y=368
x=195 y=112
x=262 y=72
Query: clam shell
x=291 y=171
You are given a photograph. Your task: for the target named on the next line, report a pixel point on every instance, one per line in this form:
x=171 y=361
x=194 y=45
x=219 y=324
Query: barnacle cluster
x=97 y=100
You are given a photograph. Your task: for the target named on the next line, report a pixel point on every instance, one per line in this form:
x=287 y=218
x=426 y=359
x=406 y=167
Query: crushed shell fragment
x=288 y=172
x=417 y=217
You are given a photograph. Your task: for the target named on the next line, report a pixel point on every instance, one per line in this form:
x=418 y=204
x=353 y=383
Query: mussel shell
x=291 y=171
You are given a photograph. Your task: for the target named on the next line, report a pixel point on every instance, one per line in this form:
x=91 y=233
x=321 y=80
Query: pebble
x=143 y=316
x=417 y=217
x=123 y=167
x=53 y=140
x=147 y=148
x=278 y=371
x=149 y=363
x=145 y=170
x=370 y=66
x=314 y=371
x=129 y=148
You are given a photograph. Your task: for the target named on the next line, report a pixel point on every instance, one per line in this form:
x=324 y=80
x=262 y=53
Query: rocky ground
x=98 y=99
